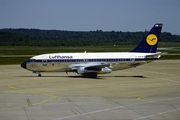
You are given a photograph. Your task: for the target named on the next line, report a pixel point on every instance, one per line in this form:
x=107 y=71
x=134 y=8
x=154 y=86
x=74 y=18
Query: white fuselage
x=64 y=62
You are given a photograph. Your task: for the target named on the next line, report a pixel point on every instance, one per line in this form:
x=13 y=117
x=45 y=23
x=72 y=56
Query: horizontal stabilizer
x=158 y=54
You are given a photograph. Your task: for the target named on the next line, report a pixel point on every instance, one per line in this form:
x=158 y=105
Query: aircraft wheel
x=39 y=75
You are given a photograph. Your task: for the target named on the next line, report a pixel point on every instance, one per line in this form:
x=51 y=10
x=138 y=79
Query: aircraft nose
x=23 y=65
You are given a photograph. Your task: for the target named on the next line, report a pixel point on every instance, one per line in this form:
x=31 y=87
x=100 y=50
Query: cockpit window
x=32 y=60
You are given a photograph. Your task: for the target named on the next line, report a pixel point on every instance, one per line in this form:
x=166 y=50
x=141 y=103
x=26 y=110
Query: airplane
x=92 y=64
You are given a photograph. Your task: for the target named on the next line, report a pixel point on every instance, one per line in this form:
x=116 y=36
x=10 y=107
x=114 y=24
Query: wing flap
x=97 y=67
x=89 y=68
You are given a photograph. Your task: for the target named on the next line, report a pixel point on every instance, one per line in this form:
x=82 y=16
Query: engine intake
x=105 y=70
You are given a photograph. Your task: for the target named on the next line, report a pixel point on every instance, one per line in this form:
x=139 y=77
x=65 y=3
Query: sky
x=91 y=15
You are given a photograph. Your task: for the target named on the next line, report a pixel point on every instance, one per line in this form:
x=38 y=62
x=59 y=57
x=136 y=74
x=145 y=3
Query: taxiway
x=147 y=92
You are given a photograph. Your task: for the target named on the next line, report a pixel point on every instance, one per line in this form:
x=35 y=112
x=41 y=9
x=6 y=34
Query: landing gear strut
x=39 y=74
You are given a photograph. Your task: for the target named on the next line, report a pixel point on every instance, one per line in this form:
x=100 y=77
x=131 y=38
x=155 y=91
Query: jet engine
x=82 y=70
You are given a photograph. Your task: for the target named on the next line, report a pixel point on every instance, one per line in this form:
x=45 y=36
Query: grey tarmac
x=150 y=91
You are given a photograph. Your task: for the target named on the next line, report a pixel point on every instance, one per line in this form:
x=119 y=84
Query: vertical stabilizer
x=150 y=42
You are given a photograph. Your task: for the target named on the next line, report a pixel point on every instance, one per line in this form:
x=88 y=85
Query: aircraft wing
x=90 y=67
x=96 y=67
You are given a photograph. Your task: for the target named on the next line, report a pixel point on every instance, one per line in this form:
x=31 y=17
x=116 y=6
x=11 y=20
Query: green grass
x=12 y=60
x=41 y=50
x=6 y=52
x=169 y=44
x=170 y=57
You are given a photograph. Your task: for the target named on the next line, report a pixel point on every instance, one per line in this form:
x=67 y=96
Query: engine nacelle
x=105 y=70
x=81 y=70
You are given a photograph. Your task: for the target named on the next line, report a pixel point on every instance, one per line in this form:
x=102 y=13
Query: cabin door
x=44 y=60
x=132 y=59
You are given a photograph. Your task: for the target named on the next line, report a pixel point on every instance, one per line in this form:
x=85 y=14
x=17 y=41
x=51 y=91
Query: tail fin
x=150 y=42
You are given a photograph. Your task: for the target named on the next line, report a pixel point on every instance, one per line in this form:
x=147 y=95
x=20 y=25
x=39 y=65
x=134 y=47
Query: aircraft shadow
x=62 y=77
x=99 y=77
x=135 y=76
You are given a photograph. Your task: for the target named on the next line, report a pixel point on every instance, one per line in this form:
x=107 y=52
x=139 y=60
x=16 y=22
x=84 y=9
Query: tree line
x=36 y=37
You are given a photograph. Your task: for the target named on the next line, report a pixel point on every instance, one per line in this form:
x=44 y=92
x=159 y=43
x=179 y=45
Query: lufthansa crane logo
x=151 y=39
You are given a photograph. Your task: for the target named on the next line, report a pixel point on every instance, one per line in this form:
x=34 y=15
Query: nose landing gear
x=39 y=74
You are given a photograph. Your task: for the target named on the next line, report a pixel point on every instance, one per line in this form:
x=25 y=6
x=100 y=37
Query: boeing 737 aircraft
x=91 y=64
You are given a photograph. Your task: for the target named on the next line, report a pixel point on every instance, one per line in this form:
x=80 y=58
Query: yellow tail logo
x=151 y=39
